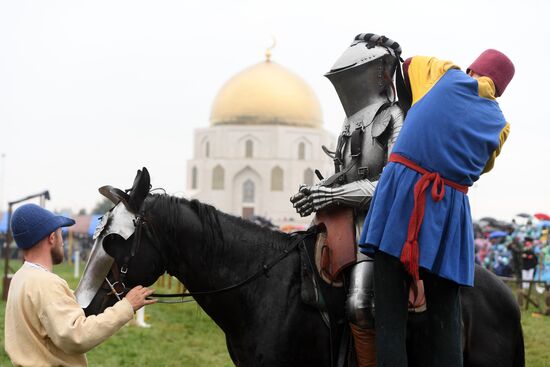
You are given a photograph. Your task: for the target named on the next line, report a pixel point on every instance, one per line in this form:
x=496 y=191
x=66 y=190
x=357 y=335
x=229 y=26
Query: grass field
x=183 y=335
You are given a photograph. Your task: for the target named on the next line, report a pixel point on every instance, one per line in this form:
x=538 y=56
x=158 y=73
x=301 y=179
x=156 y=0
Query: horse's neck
x=207 y=260
x=216 y=250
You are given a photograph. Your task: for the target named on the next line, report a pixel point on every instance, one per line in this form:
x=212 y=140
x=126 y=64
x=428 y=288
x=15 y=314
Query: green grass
x=536 y=330
x=183 y=335
x=180 y=335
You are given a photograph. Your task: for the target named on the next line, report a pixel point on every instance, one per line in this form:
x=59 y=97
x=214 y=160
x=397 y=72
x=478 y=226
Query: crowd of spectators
x=519 y=249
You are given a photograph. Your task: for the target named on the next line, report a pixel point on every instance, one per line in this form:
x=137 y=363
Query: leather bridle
x=119 y=289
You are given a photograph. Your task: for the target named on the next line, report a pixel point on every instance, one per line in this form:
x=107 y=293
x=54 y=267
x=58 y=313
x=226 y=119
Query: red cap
x=495 y=65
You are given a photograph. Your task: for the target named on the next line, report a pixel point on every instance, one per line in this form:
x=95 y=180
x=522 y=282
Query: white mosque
x=263 y=142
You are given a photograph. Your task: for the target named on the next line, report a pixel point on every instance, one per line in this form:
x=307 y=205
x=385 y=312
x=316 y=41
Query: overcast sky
x=91 y=91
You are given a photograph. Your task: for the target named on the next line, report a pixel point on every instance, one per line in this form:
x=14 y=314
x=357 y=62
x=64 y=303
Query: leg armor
x=360 y=299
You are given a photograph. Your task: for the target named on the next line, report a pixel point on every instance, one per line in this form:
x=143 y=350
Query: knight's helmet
x=363 y=75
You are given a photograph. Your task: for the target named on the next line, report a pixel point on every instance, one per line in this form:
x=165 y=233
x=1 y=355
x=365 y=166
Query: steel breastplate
x=373 y=121
x=370 y=163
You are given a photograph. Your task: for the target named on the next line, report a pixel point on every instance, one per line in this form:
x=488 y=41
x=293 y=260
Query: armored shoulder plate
x=381 y=122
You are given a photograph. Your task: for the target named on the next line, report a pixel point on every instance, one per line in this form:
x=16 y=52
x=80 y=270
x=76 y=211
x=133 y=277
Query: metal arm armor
x=396 y=123
x=355 y=194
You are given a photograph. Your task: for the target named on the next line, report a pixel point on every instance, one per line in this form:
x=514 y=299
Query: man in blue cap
x=44 y=325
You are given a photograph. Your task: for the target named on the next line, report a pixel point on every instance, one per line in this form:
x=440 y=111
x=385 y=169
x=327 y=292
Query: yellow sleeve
x=503 y=136
x=68 y=327
x=486 y=88
x=424 y=72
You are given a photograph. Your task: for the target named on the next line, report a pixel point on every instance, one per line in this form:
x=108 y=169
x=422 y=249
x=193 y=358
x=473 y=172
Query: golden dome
x=266 y=94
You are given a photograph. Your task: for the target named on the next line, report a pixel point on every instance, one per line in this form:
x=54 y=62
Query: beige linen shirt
x=45 y=326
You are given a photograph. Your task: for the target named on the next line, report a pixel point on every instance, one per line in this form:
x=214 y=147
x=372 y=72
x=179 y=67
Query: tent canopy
x=3 y=222
x=85 y=224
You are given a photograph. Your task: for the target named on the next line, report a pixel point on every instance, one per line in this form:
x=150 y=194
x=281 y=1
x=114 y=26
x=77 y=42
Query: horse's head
x=126 y=251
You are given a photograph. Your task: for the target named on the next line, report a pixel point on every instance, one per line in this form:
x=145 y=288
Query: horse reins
x=118 y=288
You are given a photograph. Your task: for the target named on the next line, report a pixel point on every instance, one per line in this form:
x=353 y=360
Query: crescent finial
x=268 y=51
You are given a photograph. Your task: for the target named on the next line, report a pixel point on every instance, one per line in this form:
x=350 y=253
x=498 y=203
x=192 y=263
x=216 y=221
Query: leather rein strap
x=299 y=237
x=118 y=288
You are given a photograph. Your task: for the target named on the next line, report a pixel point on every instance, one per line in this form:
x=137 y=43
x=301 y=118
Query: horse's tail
x=519 y=360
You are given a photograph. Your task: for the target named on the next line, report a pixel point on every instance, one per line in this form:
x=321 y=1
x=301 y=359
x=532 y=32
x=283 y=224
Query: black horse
x=265 y=321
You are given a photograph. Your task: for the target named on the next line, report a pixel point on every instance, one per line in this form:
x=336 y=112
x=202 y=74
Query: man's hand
x=138 y=297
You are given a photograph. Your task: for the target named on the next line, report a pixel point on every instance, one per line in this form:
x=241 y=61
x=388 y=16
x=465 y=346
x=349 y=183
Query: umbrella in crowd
x=492 y=224
x=489 y=220
x=524 y=215
x=496 y=234
x=542 y=216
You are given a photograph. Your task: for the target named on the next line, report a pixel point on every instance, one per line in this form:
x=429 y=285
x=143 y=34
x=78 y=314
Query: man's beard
x=57 y=255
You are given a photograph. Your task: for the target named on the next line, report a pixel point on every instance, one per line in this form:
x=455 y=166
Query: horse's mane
x=213 y=221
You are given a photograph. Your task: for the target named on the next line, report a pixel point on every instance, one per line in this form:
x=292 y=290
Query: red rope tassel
x=409 y=258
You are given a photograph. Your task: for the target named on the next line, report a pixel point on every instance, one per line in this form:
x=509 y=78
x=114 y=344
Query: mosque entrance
x=248 y=212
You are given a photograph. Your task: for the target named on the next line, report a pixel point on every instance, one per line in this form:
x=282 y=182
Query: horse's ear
x=115 y=195
x=140 y=189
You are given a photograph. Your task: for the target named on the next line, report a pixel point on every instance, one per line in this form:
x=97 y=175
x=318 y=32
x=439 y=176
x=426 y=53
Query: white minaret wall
x=273 y=146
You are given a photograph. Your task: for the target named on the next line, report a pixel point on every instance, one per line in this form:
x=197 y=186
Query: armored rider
x=363 y=79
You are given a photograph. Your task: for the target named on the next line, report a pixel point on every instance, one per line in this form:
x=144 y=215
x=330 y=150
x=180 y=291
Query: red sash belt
x=410 y=253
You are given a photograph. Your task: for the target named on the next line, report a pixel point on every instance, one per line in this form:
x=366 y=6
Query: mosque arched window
x=277 y=178
x=207 y=149
x=248 y=191
x=194 y=178
x=308 y=177
x=249 y=149
x=218 y=178
x=302 y=151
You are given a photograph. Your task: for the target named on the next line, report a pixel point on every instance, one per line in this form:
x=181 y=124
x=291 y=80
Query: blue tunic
x=453 y=131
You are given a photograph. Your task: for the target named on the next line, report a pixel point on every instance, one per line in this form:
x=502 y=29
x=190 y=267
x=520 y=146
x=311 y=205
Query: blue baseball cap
x=30 y=223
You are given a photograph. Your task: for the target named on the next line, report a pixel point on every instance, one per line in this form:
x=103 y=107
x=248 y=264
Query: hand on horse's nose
x=138 y=297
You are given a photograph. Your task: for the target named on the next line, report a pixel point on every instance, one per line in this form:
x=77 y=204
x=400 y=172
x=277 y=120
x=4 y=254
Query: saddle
x=315 y=291
x=335 y=247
